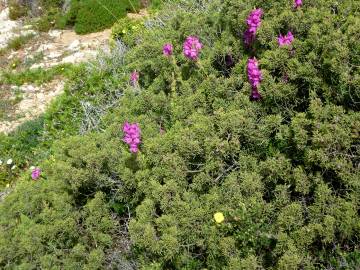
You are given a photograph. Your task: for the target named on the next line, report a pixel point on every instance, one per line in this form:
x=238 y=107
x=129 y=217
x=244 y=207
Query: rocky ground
x=44 y=50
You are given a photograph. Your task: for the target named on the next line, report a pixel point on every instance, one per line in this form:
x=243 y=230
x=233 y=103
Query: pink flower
x=285 y=40
x=132 y=136
x=167 y=49
x=297 y=3
x=192 y=47
x=254 y=73
x=35 y=174
x=134 y=77
x=254 y=77
x=253 y=22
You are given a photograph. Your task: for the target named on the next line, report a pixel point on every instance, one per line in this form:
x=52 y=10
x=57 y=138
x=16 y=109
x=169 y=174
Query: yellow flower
x=124 y=31
x=7 y=185
x=219 y=217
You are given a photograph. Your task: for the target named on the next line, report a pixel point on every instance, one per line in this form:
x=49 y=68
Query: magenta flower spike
x=168 y=49
x=254 y=77
x=35 y=174
x=297 y=3
x=192 y=47
x=254 y=73
x=286 y=39
x=134 y=77
x=132 y=136
x=253 y=22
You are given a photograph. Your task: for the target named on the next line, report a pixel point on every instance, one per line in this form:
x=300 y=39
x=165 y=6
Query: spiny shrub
x=125 y=29
x=283 y=171
x=272 y=178
x=67 y=209
x=21 y=144
x=96 y=15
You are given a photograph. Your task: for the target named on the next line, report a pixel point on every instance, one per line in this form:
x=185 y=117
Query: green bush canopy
x=96 y=15
x=283 y=170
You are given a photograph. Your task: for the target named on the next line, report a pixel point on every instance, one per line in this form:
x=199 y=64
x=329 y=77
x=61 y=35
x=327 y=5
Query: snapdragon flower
x=254 y=73
x=168 y=49
x=134 y=77
x=297 y=3
x=132 y=136
x=253 y=22
x=286 y=39
x=192 y=47
x=254 y=77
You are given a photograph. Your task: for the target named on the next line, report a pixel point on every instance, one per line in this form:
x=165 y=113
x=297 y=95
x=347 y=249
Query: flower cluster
x=168 y=49
x=192 y=47
x=286 y=39
x=254 y=77
x=134 y=77
x=253 y=22
x=35 y=174
x=297 y=3
x=132 y=136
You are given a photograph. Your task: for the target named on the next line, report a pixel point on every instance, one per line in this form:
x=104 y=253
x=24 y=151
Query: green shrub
x=126 y=30
x=284 y=171
x=17 y=43
x=280 y=169
x=37 y=76
x=49 y=237
x=23 y=147
x=16 y=10
x=93 y=15
x=48 y=20
x=156 y=5
x=46 y=4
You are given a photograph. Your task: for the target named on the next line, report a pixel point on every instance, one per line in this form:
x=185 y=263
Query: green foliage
x=52 y=17
x=281 y=170
x=65 y=115
x=94 y=15
x=46 y=4
x=17 y=42
x=23 y=147
x=37 y=76
x=49 y=13
x=156 y=5
x=7 y=105
x=284 y=171
x=16 y=10
x=126 y=29
x=49 y=237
